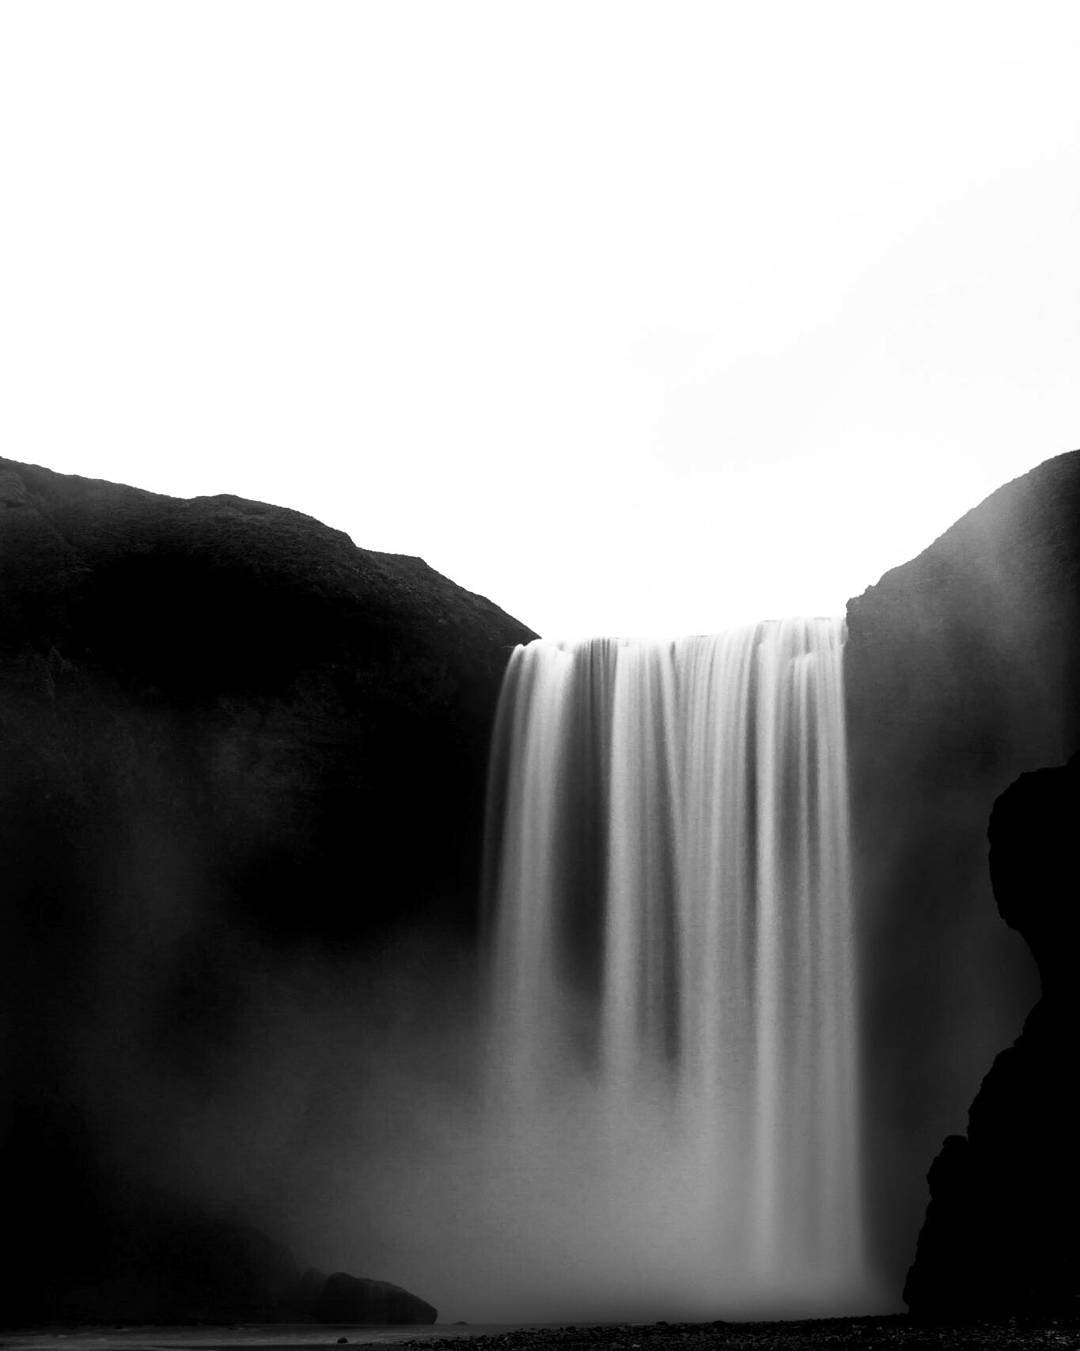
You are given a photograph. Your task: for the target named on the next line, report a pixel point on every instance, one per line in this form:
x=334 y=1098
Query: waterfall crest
x=669 y=921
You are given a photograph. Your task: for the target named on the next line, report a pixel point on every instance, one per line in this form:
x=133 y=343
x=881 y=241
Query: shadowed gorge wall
x=236 y=750
x=962 y=670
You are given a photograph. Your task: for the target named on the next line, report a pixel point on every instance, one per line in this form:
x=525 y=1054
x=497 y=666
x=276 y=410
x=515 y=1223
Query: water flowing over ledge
x=671 y=961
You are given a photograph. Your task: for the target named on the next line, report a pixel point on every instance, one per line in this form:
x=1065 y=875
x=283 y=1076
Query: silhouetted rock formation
x=962 y=669
x=353 y=1299
x=1000 y=1234
x=237 y=751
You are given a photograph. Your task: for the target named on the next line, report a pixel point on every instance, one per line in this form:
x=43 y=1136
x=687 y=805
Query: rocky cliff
x=962 y=669
x=1000 y=1236
x=237 y=752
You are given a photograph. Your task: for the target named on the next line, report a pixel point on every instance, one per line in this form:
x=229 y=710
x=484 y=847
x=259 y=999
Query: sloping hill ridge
x=306 y=682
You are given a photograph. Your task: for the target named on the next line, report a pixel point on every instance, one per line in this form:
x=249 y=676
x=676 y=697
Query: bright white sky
x=631 y=316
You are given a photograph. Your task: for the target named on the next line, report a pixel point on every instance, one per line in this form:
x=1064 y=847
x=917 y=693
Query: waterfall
x=672 y=985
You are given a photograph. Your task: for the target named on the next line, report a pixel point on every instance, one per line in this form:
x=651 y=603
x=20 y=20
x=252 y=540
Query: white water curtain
x=670 y=924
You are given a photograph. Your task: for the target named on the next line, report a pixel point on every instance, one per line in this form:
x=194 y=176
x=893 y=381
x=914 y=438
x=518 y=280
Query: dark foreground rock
x=353 y=1299
x=1000 y=1233
x=962 y=670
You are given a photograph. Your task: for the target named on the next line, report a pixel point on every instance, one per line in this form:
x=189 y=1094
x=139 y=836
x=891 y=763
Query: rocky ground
x=838 y=1334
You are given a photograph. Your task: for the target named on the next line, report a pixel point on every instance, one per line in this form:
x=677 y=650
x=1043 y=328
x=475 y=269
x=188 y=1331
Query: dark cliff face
x=1000 y=1234
x=962 y=669
x=238 y=752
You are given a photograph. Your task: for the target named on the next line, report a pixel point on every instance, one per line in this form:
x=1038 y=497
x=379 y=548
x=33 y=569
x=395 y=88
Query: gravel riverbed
x=837 y=1334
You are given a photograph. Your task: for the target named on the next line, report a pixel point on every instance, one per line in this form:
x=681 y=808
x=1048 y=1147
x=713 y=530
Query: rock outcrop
x=1000 y=1236
x=355 y=1299
x=173 y=1264
x=962 y=669
x=238 y=753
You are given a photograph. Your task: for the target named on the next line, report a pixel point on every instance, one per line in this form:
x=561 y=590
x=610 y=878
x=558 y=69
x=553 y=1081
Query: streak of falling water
x=670 y=929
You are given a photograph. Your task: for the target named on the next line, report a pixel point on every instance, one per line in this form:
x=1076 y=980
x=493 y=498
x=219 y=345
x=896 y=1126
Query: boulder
x=355 y=1299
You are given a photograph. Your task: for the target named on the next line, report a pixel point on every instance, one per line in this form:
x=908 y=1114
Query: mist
x=354 y=1116
x=358 y=1107
x=349 y=1109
